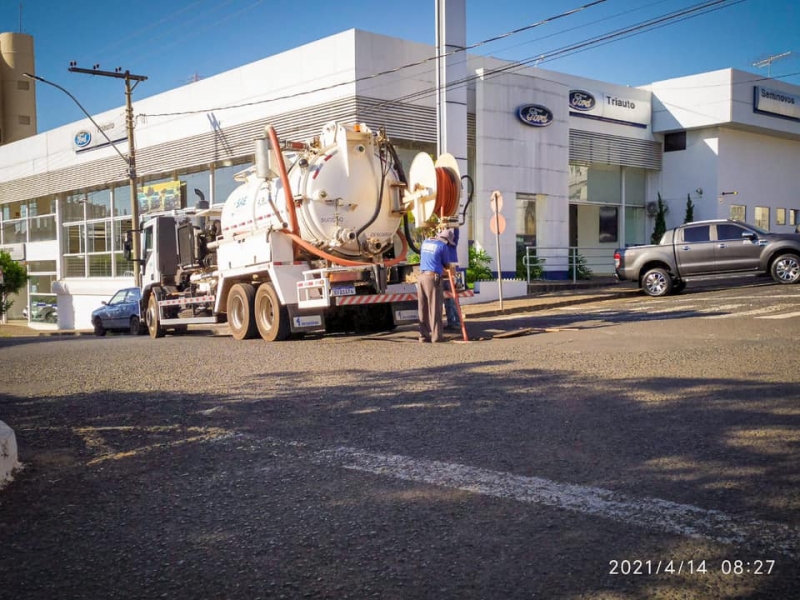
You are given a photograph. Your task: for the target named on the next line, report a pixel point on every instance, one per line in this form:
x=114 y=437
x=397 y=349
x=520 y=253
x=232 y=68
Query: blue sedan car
x=121 y=313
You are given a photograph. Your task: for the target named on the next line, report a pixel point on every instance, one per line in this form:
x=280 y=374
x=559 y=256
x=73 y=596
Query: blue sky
x=174 y=41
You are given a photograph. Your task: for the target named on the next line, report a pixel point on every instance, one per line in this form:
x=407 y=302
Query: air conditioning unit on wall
x=652 y=209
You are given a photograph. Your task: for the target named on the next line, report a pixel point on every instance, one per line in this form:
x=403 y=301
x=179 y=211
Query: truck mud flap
x=305 y=321
x=405 y=312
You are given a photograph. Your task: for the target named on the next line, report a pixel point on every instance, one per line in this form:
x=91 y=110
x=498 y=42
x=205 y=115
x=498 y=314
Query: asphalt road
x=632 y=448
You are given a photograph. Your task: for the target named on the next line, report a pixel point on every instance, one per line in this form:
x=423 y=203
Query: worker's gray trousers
x=430 y=299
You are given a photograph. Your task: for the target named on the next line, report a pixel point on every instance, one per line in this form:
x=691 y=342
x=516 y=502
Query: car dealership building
x=580 y=163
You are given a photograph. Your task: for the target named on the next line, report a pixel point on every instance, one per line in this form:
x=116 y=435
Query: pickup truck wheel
x=240 y=311
x=786 y=268
x=657 y=282
x=151 y=318
x=272 y=319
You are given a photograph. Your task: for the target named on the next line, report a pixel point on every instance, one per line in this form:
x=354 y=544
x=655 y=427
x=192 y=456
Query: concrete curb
x=8 y=454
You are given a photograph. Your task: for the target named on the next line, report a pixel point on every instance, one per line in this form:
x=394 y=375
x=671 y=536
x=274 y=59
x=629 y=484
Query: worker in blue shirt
x=433 y=260
x=450 y=309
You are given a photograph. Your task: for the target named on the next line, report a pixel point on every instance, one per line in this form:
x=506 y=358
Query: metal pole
x=137 y=267
x=499 y=267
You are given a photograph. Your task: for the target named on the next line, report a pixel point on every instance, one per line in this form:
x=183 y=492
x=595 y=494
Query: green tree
x=689 y=217
x=661 y=222
x=14 y=277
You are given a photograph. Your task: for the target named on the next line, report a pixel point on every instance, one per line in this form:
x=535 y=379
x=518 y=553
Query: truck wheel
x=152 y=320
x=786 y=268
x=272 y=319
x=240 y=311
x=657 y=282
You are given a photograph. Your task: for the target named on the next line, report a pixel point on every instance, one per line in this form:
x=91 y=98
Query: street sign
x=497 y=224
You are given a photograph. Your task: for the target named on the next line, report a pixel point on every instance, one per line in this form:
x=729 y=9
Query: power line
x=388 y=71
x=693 y=11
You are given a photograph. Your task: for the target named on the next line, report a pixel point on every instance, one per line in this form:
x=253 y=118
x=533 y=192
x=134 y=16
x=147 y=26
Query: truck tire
x=152 y=320
x=657 y=282
x=240 y=311
x=786 y=268
x=272 y=319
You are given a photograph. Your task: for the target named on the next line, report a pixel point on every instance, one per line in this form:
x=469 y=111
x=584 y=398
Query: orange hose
x=345 y=262
x=446 y=193
x=287 y=188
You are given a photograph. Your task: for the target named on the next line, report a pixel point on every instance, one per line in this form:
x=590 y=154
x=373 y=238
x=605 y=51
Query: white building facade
x=579 y=163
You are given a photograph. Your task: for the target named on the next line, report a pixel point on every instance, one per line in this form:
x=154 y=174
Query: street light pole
x=130 y=160
x=118 y=73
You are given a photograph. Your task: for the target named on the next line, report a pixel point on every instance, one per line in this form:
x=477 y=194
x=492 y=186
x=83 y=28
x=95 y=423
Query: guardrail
x=581 y=262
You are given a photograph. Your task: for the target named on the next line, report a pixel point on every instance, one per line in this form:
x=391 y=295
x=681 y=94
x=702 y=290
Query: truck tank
x=347 y=195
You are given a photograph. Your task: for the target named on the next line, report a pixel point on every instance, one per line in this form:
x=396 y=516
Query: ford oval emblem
x=535 y=115
x=580 y=100
x=83 y=139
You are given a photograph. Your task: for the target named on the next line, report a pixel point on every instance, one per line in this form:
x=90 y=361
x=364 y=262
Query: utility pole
x=118 y=73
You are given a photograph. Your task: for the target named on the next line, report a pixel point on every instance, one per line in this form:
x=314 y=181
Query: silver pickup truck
x=706 y=250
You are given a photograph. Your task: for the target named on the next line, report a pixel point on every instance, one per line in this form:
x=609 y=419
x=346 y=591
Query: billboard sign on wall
x=609 y=108
x=154 y=197
x=90 y=138
x=775 y=102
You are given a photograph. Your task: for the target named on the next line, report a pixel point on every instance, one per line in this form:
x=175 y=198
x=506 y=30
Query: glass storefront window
x=15 y=232
x=98 y=204
x=73 y=207
x=635 y=225
x=75 y=239
x=595 y=183
x=75 y=266
x=38 y=266
x=42 y=206
x=124 y=267
x=98 y=238
x=14 y=210
x=224 y=183
x=100 y=265
x=122 y=200
x=196 y=181
x=42 y=229
x=635 y=186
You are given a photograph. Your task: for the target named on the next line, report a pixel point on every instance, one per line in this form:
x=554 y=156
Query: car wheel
x=786 y=268
x=99 y=330
x=135 y=326
x=657 y=282
x=51 y=317
x=271 y=318
x=240 y=311
x=151 y=317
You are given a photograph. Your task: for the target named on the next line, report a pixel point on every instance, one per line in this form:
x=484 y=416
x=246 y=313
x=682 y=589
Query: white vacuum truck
x=311 y=241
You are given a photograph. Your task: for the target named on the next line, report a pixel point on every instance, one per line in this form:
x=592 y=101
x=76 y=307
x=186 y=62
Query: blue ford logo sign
x=83 y=139
x=535 y=115
x=580 y=100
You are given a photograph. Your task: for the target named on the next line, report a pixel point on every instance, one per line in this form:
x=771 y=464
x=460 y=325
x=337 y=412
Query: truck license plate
x=343 y=290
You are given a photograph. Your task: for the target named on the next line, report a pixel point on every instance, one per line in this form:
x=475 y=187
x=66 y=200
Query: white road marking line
x=750 y=313
x=783 y=316
x=653 y=513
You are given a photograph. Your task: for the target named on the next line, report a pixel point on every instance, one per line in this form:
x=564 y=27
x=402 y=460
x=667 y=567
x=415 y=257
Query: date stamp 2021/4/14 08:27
x=690 y=567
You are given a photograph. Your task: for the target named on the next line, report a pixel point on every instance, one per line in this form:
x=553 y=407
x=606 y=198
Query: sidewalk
x=543 y=296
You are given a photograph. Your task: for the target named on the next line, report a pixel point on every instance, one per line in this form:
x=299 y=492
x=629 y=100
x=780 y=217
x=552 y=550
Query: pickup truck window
x=700 y=233
x=730 y=232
